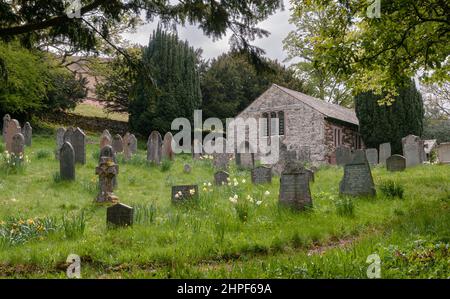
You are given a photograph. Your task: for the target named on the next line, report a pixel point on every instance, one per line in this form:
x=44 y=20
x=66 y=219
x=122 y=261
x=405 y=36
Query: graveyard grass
x=214 y=238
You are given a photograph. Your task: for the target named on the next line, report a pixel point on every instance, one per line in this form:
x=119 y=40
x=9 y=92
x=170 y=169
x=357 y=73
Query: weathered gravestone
x=184 y=193
x=221 y=178
x=167 y=149
x=119 y=215
x=187 y=168
x=294 y=186
x=343 y=155
x=79 y=146
x=385 y=152
x=133 y=144
x=154 y=148
x=396 y=163
x=68 y=135
x=357 y=180
x=221 y=160
x=443 y=152
x=245 y=158
x=6 y=120
x=412 y=150
x=67 y=162
x=261 y=175
x=108 y=152
x=117 y=143
x=106 y=133
x=304 y=154
x=27 y=132
x=105 y=140
x=59 y=141
x=18 y=145
x=126 y=147
x=12 y=129
x=107 y=171
x=372 y=156
x=285 y=156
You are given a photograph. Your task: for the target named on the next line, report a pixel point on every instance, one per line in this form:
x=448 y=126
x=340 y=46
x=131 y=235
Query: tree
x=231 y=82
x=390 y=122
x=375 y=54
x=437 y=100
x=173 y=64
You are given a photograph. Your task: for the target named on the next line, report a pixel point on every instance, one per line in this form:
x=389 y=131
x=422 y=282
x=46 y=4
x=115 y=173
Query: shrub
x=43 y=154
x=57 y=177
x=144 y=214
x=345 y=207
x=12 y=163
x=73 y=225
x=166 y=164
x=392 y=189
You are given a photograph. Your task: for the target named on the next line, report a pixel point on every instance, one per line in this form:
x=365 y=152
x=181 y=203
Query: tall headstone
x=108 y=152
x=357 y=180
x=117 y=143
x=133 y=144
x=385 y=152
x=18 y=145
x=59 y=140
x=167 y=149
x=126 y=147
x=12 y=129
x=106 y=133
x=184 y=193
x=412 y=150
x=154 y=148
x=343 y=155
x=372 y=156
x=67 y=162
x=261 y=175
x=396 y=163
x=295 y=186
x=68 y=135
x=119 y=215
x=443 y=152
x=245 y=158
x=105 y=139
x=107 y=171
x=6 y=120
x=221 y=178
x=27 y=132
x=79 y=146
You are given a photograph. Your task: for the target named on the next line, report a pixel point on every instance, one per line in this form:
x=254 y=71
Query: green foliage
x=392 y=189
x=43 y=154
x=437 y=129
x=166 y=164
x=392 y=121
x=11 y=163
x=144 y=214
x=345 y=207
x=16 y=231
x=73 y=225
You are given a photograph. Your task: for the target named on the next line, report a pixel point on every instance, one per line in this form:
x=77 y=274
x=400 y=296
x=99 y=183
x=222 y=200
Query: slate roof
x=329 y=110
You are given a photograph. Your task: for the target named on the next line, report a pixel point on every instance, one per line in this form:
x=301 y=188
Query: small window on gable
x=281 y=125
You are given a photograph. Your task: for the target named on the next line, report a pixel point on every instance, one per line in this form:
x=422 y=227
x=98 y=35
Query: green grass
x=212 y=237
x=95 y=111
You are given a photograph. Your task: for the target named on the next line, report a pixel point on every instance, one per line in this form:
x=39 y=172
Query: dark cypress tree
x=383 y=123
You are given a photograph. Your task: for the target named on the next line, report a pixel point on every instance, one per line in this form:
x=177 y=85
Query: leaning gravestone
x=372 y=156
x=358 y=180
x=27 y=132
x=261 y=175
x=6 y=120
x=343 y=155
x=119 y=215
x=59 y=140
x=221 y=178
x=79 y=146
x=443 y=152
x=396 y=163
x=184 y=193
x=154 y=148
x=67 y=162
x=18 y=145
x=12 y=129
x=294 y=186
x=385 y=152
x=412 y=150
x=117 y=143
x=107 y=171
x=108 y=152
x=167 y=149
x=245 y=159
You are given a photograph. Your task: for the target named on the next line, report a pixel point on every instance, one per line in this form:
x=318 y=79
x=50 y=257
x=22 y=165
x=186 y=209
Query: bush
x=392 y=189
x=73 y=225
x=166 y=165
x=43 y=154
x=345 y=207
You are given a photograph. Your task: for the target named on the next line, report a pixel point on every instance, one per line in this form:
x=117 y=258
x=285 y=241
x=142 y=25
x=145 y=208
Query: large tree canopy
x=410 y=37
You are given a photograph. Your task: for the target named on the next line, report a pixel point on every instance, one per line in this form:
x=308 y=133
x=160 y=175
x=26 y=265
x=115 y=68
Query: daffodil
x=267 y=193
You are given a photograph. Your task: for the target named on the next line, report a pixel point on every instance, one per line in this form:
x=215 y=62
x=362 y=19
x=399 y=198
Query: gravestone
x=261 y=175
x=443 y=152
x=184 y=193
x=18 y=145
x=197 y=149
x=108 y=152
x=187 y=168
x=167 y=149
x=106 y=133
x=12 y=129
x=6 y=120
x=372 y=156
x=126 y=147
x=67 y=162
x=285 y=156
x=304 y=154
x=343 y=155
x=27 y=132
x=245 y=159
x=221 y=178
x=117 y=143
x=357 y=180
x=396 y=163
x=294 y=186
x=133 y=144
x=119 y=215
x=68 y=135
x=221 y=160
x=105 y=140
x=79 y=146
x=59 y=140
x=412 y=150
x=154 y=148
x=107 y=171
x=385 y=152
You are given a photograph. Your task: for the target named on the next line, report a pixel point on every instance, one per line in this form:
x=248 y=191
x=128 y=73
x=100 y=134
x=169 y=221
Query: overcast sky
x=278 y=25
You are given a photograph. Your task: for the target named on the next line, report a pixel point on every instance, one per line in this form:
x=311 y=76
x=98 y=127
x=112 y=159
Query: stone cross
x=59 y=140
x=443 y=151
x=67 y=162
x=343 y=155
x=79 y=146
x=12 y=129
x=385 y=152
x=107 y=170
x=108 y=152
x=357 y=180
x=294 y=186
x=27 y=133
x=117 y=143
x=6 y=120
x=18 y=145
x=119 y=215
x=221 y=178
x=396 y=163
x=167 y=147
x=372 y=156
x=154 y=148
x=412 y=150
x=261 y=175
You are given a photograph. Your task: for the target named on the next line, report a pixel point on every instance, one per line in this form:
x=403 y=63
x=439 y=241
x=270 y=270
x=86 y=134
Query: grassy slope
x=95 y=111
x=209 y=240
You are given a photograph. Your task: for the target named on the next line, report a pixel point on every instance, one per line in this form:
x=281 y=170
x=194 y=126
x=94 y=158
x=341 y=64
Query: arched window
x=281 y=125
x=273 y=124
x=265 y=124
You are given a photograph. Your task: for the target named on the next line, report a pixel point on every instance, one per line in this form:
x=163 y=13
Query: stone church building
x=311 y=127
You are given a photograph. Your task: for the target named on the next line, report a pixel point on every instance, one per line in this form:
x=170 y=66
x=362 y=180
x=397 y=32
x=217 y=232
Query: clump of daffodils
x=12 y=162
x=234 y=199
